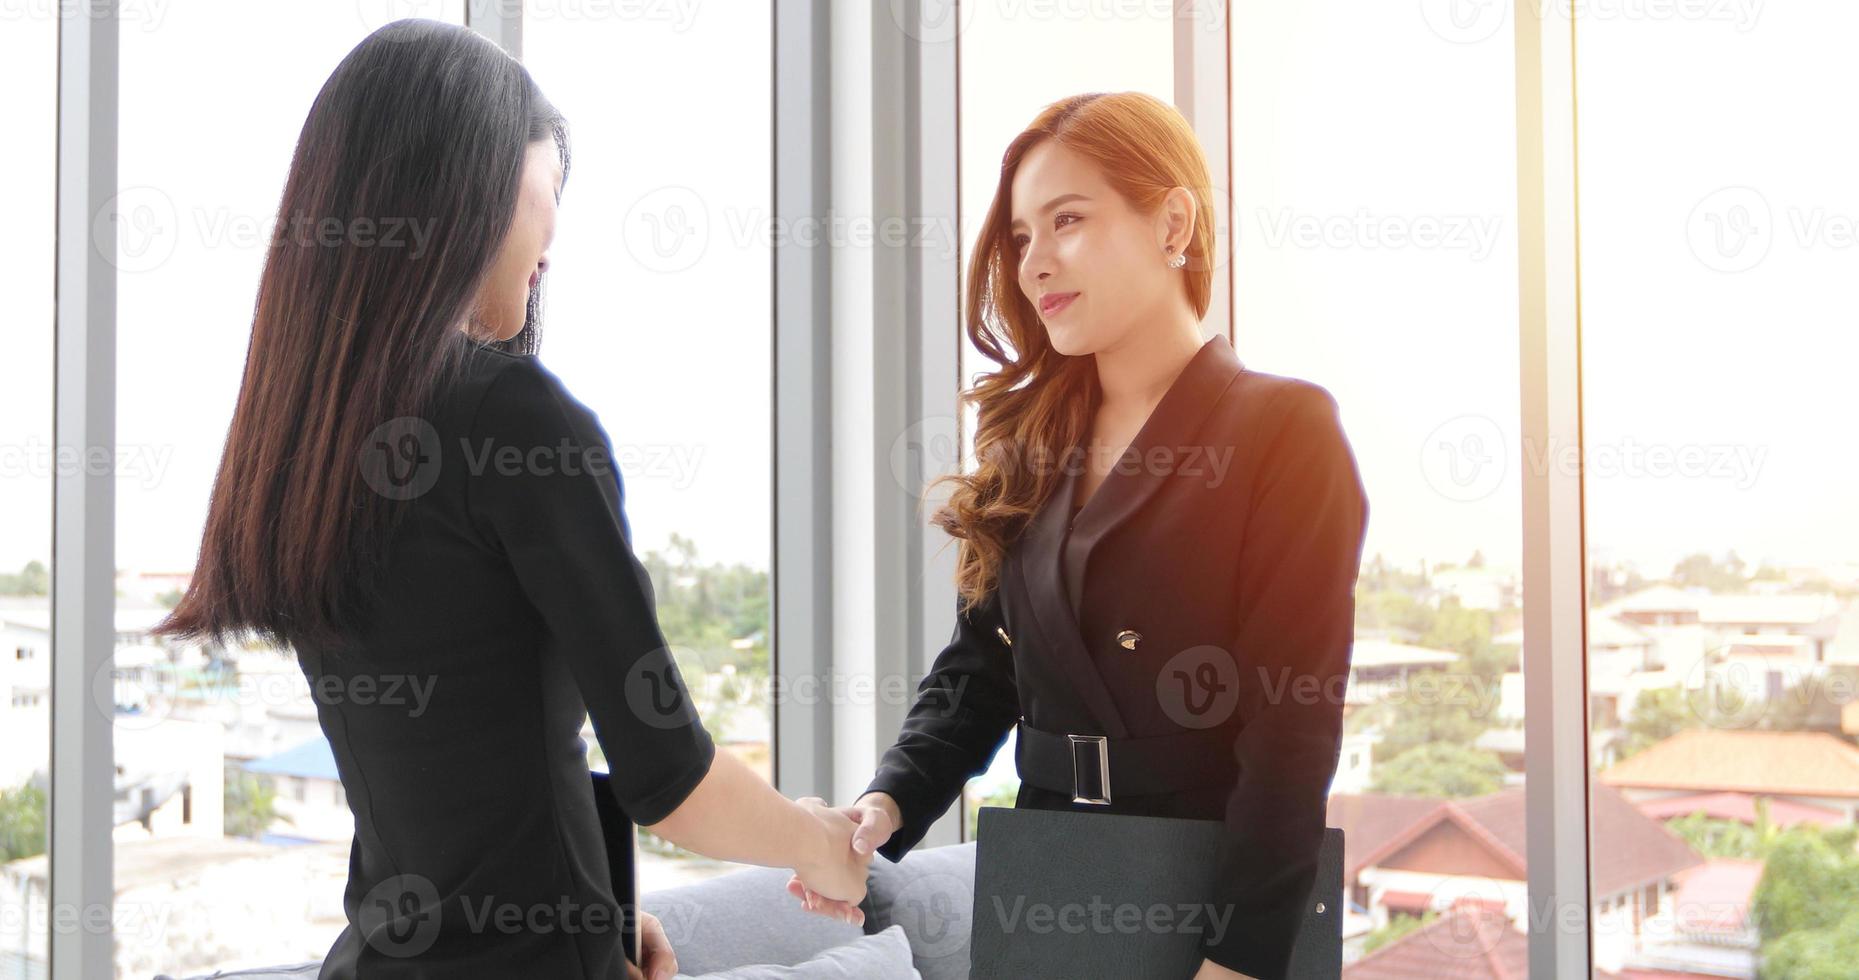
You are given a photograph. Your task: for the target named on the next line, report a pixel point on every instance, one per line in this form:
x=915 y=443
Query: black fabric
x=513 y=597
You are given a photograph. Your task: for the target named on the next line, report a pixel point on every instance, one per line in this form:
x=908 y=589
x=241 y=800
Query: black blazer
x=1208 y=589
x=512 y=608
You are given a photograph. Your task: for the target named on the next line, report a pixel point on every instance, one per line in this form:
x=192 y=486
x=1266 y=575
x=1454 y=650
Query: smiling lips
x=1054 y=302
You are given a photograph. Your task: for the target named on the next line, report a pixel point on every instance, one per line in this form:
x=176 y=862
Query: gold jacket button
x=1002 y=633
x=1128 y=639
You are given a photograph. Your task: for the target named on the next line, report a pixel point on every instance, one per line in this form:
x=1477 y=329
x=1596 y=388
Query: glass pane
x=661 y=319
x=1375 y=255
x=1717 y=250
x=216 y=865
x=29 y=115
x=1015 y=60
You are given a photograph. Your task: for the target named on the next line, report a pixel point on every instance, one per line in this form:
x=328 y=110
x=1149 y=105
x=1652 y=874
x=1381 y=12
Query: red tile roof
x=1630 y=848
x=1708 y=760
x=1466 y=943
x=1741 y=806
x=1714 y=899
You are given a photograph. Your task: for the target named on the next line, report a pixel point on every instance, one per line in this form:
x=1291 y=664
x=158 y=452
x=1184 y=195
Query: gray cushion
x=301 y=971
x=931 y=894
x=741 y=918
x=885 y=956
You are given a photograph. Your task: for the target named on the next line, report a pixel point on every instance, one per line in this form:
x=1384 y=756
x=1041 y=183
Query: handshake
x=835 y=884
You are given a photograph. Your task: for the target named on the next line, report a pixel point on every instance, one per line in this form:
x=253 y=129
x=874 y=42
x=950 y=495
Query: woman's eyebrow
x=1055 y=202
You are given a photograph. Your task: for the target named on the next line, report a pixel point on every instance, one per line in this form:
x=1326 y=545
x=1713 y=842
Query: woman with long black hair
x=411 y=501
x=1158 y=545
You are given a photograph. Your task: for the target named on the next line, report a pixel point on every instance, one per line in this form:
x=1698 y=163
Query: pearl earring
x=1176 y=261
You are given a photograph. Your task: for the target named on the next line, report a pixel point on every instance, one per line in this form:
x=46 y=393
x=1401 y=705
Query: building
x=1413 y=855
x=1811 y=769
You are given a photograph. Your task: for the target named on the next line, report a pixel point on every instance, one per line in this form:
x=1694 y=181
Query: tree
x=1444 y=770
x=251 y=805
x=1421 y=720
x=31 y=580
x=1809 y=883
x=22 y=822
x=1814 y=954
x=1700 y=570
x=1714 y=837
x=1658 y=714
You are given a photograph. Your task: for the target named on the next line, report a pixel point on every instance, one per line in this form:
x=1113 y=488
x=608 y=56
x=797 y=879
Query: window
x=1374 y=188
x=29 y=117
x=1717 y=247
x=668 y=205
x=202 y=164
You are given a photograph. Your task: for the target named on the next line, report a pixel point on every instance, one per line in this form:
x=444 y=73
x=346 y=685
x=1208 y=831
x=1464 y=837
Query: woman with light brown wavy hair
x=1158 y=547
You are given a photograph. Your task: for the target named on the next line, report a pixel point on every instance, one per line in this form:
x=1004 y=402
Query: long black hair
x=424 y=125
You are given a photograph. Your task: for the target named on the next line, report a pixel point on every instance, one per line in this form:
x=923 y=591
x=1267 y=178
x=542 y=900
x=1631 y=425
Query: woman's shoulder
x=1266 y=402
x=517 y=394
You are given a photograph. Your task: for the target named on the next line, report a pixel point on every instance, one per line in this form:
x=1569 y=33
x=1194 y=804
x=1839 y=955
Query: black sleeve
x=542 y=486
x=1297 y=574
x=965 y=707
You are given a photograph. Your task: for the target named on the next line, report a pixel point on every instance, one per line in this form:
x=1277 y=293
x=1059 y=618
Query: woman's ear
x=1175 y=221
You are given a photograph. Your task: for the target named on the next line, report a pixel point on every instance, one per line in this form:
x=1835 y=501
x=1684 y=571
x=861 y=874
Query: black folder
x=1075 y=895
x=621 y=837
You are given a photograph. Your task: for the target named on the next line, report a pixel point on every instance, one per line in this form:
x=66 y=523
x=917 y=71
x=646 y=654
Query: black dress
x=513 y=603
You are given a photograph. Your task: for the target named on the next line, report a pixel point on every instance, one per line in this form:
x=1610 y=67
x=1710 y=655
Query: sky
x=1374 y=208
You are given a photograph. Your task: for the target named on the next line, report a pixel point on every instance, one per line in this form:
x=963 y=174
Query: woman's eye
x=1067 y=214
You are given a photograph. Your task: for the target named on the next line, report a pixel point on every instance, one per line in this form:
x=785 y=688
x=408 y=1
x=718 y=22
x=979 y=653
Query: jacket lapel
x=1052 y=574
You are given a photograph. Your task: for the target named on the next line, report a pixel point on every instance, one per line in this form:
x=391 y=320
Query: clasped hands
x=857 y=832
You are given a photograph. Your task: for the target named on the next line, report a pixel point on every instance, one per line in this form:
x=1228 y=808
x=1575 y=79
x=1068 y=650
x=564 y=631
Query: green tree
x=1441 y=769
x=1809 y=883
x=1814 y=954
x=1717 y=838
x=22 y=822
x=34 y=579
x=1700 y=570
x=1454 y=627
x=1658 y=714
x=251 y=804
x=1422 y=719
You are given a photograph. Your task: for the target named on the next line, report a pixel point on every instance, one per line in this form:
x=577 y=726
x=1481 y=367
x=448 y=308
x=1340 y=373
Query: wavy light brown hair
x=1039 y=404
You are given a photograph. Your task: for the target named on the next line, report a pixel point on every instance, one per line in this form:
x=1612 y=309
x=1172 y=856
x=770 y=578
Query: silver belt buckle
x=1103 y=767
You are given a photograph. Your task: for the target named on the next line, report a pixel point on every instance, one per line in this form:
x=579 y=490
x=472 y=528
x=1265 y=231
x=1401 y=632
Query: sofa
x=745 y=926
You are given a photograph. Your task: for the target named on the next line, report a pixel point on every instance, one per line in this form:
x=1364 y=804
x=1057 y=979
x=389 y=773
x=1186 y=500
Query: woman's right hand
x=834 y=870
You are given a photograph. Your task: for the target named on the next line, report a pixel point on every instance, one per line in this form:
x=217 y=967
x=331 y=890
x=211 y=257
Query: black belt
x=1086 y=766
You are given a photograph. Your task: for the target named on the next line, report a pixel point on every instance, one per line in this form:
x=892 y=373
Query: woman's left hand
x=655 y=948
